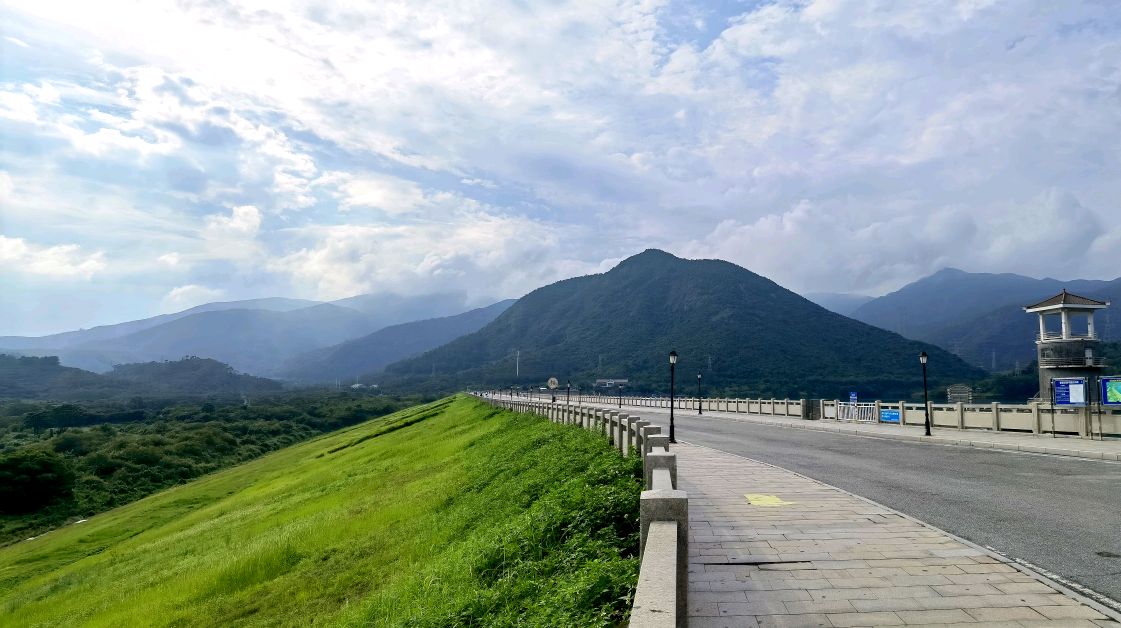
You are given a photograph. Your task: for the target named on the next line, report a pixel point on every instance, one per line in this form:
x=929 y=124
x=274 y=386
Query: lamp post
x=568 y=393
x=700 y=402
x=672 y=365
x=620 y=395
x=925 y=399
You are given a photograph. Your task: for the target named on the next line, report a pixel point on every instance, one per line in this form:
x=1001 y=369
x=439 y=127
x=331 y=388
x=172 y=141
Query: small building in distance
x=610 y=383
x=1072 y=349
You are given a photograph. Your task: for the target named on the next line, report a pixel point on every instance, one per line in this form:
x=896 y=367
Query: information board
x=852 y=397
x=889 y=416
x=1070 y=391
x=1111 y=390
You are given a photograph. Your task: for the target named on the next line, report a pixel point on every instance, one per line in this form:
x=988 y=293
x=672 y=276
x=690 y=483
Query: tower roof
x=1065 y=298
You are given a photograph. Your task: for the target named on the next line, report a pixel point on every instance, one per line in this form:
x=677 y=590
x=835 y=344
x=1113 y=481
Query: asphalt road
x=1061 y=514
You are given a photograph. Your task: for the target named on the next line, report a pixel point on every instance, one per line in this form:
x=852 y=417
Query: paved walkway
x=769 y=547
x=1109 y=449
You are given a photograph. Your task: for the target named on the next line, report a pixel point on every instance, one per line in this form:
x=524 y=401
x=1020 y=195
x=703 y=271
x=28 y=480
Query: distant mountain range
x=254 y=336
x=979 y=316
x=369 y=354
x=744 y=333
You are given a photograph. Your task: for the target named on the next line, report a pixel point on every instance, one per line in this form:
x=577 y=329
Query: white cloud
x=391 y=195
x=833 y=145
x=183 y=297
x=18 y=42
x=171 y=260
x=243 y=221
x=483 y=254
x=61 y=261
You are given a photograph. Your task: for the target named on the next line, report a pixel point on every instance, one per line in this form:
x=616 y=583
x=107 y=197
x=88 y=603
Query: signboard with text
x=1070 y=391
x=852 y=397
x=1111 y=390
x=889 y=416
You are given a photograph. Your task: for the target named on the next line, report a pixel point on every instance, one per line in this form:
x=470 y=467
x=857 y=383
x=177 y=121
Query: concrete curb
x=940 y=440
x=1110 y=608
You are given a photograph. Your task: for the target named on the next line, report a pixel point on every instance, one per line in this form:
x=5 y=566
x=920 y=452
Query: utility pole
x=518 y=363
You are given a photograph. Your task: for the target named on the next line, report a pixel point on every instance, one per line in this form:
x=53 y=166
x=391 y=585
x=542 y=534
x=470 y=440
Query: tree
x=33 y=478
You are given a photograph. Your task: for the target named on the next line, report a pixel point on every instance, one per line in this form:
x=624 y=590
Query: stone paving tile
x=821 y=557
x=865 y=619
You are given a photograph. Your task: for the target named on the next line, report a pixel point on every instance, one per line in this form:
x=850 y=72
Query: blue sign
x=1069 y=391
x=852 y=397
x=1111 y=390
x=889 y=416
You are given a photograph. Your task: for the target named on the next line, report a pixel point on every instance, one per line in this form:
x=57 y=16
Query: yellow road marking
x=766 y=500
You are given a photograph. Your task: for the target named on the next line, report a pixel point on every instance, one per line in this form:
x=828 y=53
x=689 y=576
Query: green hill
x=439 y=515
x=191 y=375
x=762 y=339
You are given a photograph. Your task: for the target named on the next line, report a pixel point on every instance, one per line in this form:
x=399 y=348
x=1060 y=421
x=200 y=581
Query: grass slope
x=452 y=513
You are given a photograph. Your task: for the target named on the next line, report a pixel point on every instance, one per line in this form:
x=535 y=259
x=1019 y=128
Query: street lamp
x=925 y=399
x=672 y=365
x=568 y=393
x=620 y=395
x=700 y=403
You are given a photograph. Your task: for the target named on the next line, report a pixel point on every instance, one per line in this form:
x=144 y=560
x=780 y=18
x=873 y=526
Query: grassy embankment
x=452 y=513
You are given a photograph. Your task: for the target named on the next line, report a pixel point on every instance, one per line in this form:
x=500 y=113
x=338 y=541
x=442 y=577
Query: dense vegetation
x=450 y=514
x=60 y=462
x=763 y=340
x=45 y=378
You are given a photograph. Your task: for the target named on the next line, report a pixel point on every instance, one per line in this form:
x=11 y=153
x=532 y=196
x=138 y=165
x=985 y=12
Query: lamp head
x=698 y=375
x=922 y=357
x=673 y=357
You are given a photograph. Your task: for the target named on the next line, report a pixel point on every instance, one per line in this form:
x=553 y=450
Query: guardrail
x=1037 y=417
x=661 y=598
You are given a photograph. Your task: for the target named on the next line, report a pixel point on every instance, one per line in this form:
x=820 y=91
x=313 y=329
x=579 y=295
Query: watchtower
x=1073 y=350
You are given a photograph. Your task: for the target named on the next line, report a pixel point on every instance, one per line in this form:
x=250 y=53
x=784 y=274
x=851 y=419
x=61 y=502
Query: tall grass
x=448 y=514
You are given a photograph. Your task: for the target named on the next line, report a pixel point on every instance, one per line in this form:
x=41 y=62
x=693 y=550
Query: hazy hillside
x=252 y=341
x=1005 y=337
x=839 y=302
x=951 y=296
x=389 y=309
x=980 y=316
x=370 y=354
x=762 y=338
x=197 y=375
x=45 y=378
x=80 y=337
x=255 y=335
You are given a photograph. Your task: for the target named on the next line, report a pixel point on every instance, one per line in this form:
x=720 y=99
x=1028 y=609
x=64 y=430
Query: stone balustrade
x=1035 y=418
x=661 y=598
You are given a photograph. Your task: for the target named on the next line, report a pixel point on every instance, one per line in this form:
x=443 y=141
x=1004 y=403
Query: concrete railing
x=661 y=598
x=1034 y=418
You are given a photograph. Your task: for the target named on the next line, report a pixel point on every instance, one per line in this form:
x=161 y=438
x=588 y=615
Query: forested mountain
x=980 y=316
x=744 y=333
x=370 y=354
x=45 y=378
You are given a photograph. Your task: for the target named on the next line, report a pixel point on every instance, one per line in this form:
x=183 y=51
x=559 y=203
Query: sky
x=158 y=155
